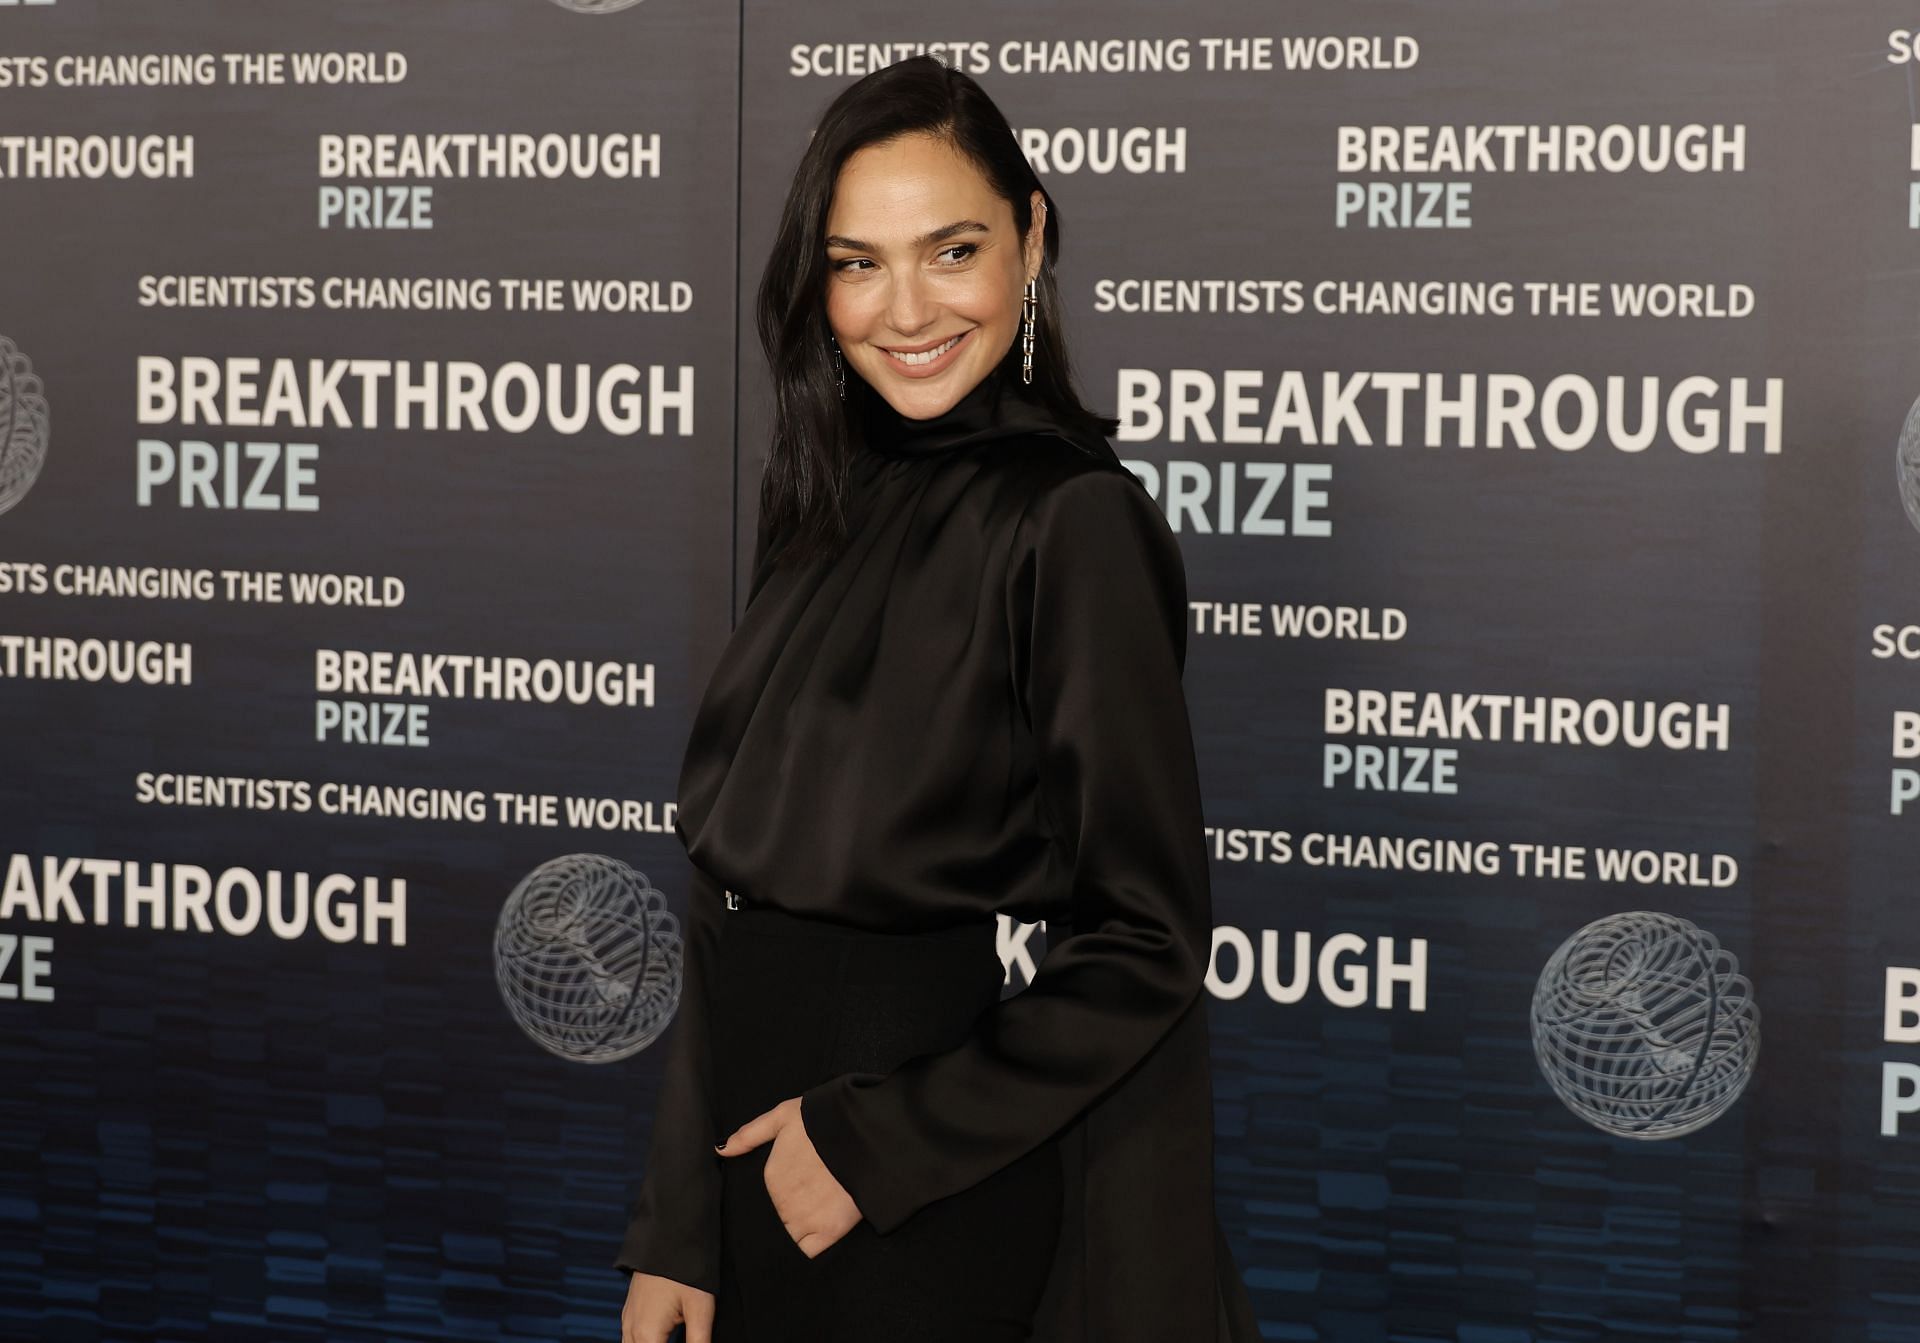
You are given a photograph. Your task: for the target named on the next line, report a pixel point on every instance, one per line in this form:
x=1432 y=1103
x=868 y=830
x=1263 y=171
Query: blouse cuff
x=852 y=1157
x=684 y=1263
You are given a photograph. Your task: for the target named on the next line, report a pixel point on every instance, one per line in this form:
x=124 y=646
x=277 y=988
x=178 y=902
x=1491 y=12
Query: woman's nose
x=908 y=309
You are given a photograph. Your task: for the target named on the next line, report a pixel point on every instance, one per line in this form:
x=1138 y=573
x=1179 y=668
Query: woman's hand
x=814 y=1207
x=655 y=1305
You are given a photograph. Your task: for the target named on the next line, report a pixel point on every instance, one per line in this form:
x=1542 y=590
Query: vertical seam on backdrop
x=739 y=243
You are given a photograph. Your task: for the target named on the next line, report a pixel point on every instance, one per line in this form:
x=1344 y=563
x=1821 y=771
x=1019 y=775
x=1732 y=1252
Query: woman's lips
x=932 y=366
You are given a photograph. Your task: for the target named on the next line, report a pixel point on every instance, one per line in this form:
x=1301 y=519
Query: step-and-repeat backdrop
x=1531 y=388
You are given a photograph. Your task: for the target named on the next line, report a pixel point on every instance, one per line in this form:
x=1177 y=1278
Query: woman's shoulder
x=1063 y=494
x=1033 y=465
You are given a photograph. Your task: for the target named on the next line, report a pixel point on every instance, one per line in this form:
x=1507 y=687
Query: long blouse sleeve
x=1096 y=604
x=674 y=1230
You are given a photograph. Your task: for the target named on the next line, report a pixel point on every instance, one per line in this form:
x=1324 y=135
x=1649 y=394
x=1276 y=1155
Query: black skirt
x=796 y=1001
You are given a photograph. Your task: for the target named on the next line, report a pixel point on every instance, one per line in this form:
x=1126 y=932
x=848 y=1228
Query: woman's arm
x=675 y=1227
x=1096 y=597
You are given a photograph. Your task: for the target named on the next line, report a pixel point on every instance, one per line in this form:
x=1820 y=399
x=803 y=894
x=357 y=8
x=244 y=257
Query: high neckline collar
x=998 y=406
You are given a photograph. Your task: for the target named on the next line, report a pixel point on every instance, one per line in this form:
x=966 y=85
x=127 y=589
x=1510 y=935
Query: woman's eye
x=965 y=250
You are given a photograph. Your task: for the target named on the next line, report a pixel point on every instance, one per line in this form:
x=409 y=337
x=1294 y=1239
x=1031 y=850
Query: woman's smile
x=926 y=363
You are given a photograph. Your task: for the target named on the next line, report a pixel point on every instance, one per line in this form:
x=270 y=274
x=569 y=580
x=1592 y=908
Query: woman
x=954 y=692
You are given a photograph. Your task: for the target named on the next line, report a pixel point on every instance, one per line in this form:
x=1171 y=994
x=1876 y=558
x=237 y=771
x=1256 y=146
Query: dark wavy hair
x=802 y=492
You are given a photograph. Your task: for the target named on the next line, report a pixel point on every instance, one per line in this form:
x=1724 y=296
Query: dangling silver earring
x=1027 y=306
x=839 y=368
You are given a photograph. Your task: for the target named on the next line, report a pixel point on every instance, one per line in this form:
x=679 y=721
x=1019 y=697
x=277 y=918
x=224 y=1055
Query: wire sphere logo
x=596 y=6
x=1906 y=464
x=1644 y=1026
x=588 y=958
x=23 y=425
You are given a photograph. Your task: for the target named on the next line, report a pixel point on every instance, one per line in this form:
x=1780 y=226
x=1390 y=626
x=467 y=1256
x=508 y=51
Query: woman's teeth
x=926 y=356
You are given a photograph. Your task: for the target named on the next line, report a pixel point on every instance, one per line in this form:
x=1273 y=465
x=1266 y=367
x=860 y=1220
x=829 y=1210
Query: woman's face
x=921 y=252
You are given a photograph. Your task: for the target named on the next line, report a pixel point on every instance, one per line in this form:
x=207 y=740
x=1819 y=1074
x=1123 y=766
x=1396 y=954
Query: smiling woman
x=924 y=318
x=913 y=219
x=954 y=693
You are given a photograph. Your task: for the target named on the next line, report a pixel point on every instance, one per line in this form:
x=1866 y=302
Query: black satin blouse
x=974 y=708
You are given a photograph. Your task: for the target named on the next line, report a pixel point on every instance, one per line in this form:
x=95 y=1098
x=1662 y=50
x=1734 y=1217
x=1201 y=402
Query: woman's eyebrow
x=938 y=235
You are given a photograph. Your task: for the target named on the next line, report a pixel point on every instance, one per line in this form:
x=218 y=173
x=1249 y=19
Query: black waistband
x=771 y=918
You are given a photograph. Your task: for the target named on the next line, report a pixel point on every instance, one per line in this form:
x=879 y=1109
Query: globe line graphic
x=1644 y=1027
x=1906 y=463
x=23 y=425
x=588 y=958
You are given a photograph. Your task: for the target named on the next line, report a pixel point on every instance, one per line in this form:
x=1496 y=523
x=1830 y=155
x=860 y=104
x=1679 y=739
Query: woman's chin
x=924 y=398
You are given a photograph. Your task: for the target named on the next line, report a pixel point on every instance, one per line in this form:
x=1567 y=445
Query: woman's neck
x=990 y=408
